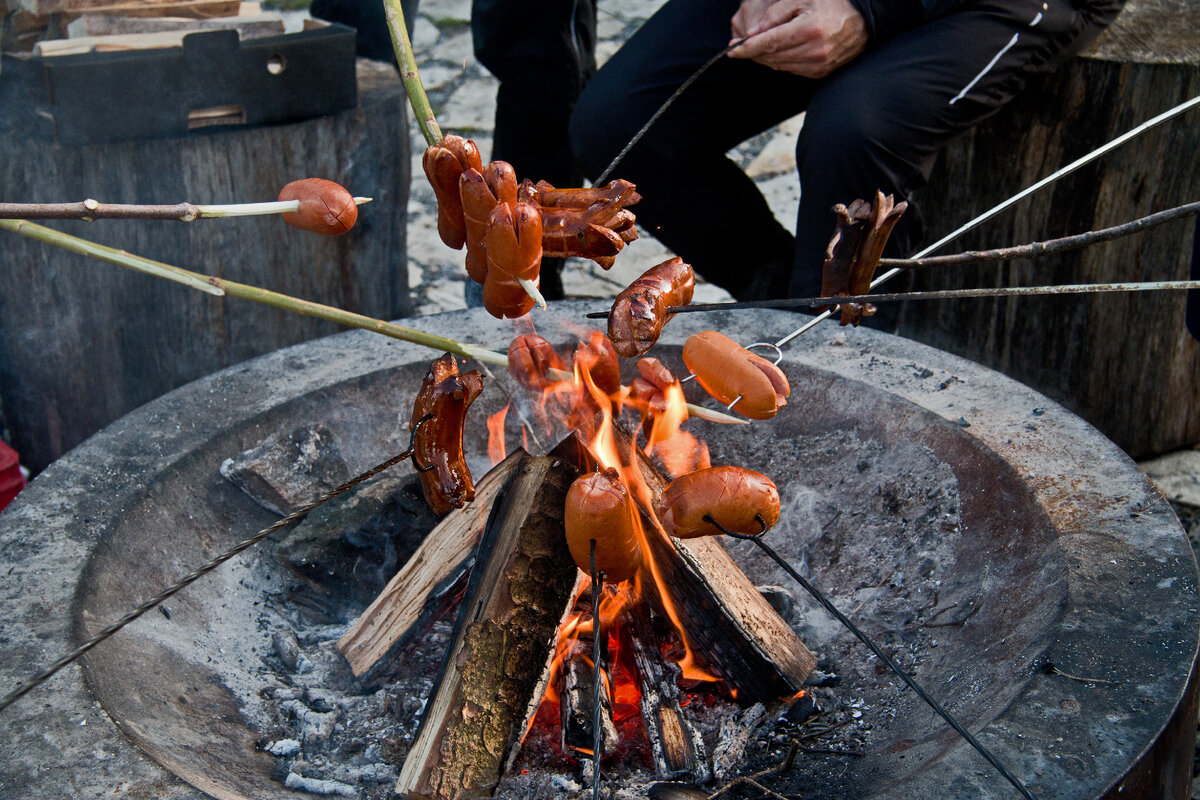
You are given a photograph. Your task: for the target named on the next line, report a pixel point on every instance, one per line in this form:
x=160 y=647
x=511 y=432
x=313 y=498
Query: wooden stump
x=1125 y=363
x=83 y=342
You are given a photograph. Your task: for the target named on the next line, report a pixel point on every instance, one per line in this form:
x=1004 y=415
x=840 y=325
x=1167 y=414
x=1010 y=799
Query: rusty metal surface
x=1086 y=567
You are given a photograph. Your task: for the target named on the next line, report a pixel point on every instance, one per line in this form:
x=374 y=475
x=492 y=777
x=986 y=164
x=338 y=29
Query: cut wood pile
x=69 y=27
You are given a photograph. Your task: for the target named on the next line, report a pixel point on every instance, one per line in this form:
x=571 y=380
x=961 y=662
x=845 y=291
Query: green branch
x=409 y=74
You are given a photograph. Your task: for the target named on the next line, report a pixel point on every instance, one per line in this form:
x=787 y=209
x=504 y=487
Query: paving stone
x=779 y=154
x=1178 y=475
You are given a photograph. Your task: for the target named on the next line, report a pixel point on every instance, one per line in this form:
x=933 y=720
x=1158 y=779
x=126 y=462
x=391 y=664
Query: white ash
x=315 y=786
x=873 y=526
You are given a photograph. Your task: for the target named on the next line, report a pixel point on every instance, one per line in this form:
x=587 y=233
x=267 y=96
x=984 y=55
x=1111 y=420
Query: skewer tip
x=358 y=201
x=531 y=289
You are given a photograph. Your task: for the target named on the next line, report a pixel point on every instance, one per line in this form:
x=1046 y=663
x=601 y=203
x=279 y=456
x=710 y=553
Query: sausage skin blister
x=727 y=371
x=640 y=311
x=730 y=495
x=444 y=163
x=325 y=207
x=445 y=394
x=599 y=508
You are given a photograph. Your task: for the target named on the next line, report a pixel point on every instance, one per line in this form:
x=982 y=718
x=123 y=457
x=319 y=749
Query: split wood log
x=249 y=26
x=498 y=663
x=576 y=699
x=676 y=745
x=426 y=585
x=1100 y=355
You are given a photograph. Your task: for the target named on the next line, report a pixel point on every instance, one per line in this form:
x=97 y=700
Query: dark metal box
x=214 y=79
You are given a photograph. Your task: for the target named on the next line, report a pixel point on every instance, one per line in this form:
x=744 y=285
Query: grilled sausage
x=443 y=163
x=727 y=370
x=480 y=192
x=325 y=207
x=530 y=359
x=639 y=312
x=731 y=495
x=599 y=508
x=514 y=250
x=438 y=454
x=598 y=356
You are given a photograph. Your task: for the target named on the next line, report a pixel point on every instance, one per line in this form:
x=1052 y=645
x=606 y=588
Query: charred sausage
x=445 y=396
x=599 y=508
x=727 y=371
x=730 y=495
x=325 y=207
x=639 y=312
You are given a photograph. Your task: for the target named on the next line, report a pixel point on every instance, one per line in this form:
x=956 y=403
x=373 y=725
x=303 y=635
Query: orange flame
x=495 y=425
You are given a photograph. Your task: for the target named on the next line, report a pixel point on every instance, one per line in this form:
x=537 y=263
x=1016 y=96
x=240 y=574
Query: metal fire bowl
x=1079 y=561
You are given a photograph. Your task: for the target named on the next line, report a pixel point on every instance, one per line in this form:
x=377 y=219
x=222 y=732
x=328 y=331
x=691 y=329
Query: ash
x=874 y=527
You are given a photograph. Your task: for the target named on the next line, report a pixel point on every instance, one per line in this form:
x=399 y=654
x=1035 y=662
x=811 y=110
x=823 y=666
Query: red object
x=11 y=479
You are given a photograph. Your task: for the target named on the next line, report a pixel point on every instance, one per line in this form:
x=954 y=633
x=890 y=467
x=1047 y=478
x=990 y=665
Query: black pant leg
x=695 y=200
x=879 y=122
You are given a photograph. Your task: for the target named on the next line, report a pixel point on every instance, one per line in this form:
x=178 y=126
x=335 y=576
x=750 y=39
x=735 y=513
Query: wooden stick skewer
x=221 y=287
x=90 y=210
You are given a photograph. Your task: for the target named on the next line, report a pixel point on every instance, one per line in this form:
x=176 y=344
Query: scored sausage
x=727 y=370
x=640 y=311
x=325 y=207
x=443 y=163
x=530 y=359
x=598 y=356
x=514 y=251
x=731 y=495
x=480 y=192
x=599 y=508
x=446 y=394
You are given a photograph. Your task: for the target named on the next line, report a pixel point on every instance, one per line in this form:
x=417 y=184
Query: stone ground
x=463 y=97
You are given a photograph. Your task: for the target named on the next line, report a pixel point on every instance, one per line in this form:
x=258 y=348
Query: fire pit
x=1030 y=577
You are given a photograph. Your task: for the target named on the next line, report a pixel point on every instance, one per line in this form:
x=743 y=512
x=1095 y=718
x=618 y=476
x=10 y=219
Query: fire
x=495 y=425
x=578 y=404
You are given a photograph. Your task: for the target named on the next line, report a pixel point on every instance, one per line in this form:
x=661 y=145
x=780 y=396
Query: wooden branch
x=424 y=585
x=498 y=664
x=1037 y=249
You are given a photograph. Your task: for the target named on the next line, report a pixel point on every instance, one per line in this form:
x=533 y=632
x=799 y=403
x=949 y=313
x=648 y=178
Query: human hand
x=810 y=38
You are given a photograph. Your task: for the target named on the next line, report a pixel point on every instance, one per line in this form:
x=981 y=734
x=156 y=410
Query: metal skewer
x=199 y=572
x=944 y=294
x=597 y=736
x=882 y=656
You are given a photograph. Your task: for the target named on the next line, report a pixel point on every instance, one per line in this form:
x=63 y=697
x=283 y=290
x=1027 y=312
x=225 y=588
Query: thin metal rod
x=994 y=210
x=882 y=656
x=637 y=137
x=597 y=740
x=195 y=575
x=943 y=294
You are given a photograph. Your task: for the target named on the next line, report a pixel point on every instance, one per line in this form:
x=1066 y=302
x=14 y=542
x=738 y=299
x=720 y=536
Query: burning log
x=677 y=747
x=498 y=663
x=576 y=697
x=425 y=586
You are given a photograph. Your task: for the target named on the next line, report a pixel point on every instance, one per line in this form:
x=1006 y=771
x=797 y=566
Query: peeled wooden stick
x=220 y=287
x=90 y=210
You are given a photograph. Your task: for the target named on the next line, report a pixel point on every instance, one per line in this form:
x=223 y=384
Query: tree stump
x=1124 y=362
x=83 y=342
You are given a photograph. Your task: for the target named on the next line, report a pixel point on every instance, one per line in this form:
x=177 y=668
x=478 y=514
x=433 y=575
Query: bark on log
x=423 y=588
x=495 y=671
x=83 y=343
x=1101 y=355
